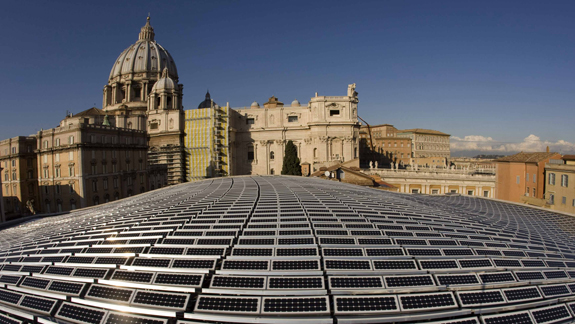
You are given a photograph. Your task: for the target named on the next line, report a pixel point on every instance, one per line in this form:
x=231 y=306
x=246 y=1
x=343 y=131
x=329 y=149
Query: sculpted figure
x=30 y=206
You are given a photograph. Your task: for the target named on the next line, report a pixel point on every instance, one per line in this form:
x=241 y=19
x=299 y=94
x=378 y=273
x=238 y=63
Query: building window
x=57 y=189
x=551 y=199
x=534 y=192
x=57 y=157
x=45 y=144
x=272 y=155
x=57 y=172
x=333 y=113
x=72 y=188
x=129 y=181
x=453 y=191
x=573 y=203
x=14 y=176
x=272 y=171
x=47 y=205
x=105 y=184
x=94 y=185
x=517 y=180
x=141 y=180
x=486 y=193
x=250 y=153
x=71 y=171
x=527 y=192
x=470 y=192
x=96 y=200
x=434 y=191
x=114 y=168
x=46 y=173
x=564 y=200
x=104 y=168
x=315 y=153
x=250 y=121
x=292 y=119
x=526 y=177
x=14 y=163
x=57 y=142
x=115 y=182
x=72 y=204
x=414 y=191
x=93 y=169
x=71 y=140
x=564 y=180
x=70 y=156
x=13 y=150
x=534 y=178
x=552 y=179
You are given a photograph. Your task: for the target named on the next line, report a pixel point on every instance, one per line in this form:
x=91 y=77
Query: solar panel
x=173 y=301
x=247 y=282
x=81 y=314
x=123 y=318
x=179 y=279
x=457 y=279
x=347 y=265
x=355 y=282
x=408 y=281
x=413 y=302
x=295 y=283
x=480 y=298
x=494 y=277
x=551 y=314
x=377 y=304
x=522 y=294
x=233 y=305
x=296 y=305
x=394 y=264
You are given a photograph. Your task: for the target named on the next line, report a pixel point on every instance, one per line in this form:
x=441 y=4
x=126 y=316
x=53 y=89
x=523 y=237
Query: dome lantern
x=147 y=32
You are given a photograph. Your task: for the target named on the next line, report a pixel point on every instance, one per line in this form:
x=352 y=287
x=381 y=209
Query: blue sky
x=497 y=75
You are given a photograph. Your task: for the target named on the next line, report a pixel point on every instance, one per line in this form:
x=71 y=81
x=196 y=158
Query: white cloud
x=531 y=143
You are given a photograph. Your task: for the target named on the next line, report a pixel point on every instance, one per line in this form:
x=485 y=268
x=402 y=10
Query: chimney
x=547 y=149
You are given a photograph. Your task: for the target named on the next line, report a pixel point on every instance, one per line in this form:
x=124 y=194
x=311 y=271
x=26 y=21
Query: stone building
x=387 y=146
x=325 y=132
x=560 y=185
x=143 y=93
x=522 y=175
x=439 y=181
x=86 y=161
x=409 y=147
x=19 y=175
x=207 y=141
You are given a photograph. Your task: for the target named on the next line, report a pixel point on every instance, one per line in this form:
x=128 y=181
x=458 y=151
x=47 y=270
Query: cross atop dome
x=147 y=32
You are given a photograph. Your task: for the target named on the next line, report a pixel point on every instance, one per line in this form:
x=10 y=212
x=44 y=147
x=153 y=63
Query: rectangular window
x=517 y=180
x=93 y=154
x=71 y=171
x=45 y=144
x=527 y=177
x=573 y=203
x=57 y=189
x=114 y=168
x=334 y=112
x=486 y=193
x=551 y=199
x=564 y=180
x=71 y=140
x=57 y=142
x=250 y=154
x=552 y=178
x=70 y=156
x=527 y=192
x=94 y=185
x=141 y=178
x=115 y=182
x=414 y=191
x=292 y=119
x=72 y=188
x=13 y=163
x=534 y=192
x=57 y=157
x=564 y=200
x=470 y=192
x=453 y=190
x=250 y=121
x=105 y=184
x=103 y=154
x=434 y=191
x=46 y=173
x=93 y=169
x=13 y=150
x=104 y=168
x=57 y=172
x=534 y=177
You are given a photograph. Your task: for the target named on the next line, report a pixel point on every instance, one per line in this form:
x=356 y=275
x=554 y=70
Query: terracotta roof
x=568 y=157
x=91 y=112
x=422 y=131
x=527 y=157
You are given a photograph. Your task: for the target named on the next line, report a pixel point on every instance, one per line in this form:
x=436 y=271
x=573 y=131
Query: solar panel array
x=285 y=249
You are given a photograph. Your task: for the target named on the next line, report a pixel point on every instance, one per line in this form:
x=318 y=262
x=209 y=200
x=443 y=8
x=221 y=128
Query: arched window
x=107 y=198
x=96 y=200
x=272 y=155
x=272 y=171
x=315 y=153
x=116 y=196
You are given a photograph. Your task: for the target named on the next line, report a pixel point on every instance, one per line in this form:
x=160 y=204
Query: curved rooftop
x=290 y=249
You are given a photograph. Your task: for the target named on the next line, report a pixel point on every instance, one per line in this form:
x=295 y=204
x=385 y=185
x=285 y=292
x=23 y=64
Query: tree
x=291 y=164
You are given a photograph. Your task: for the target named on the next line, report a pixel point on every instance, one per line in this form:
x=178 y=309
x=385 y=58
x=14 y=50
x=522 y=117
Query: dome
x=207 y=103
x=295 y=103
x=255 y=104
x=165 y=83
x=145 y=56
